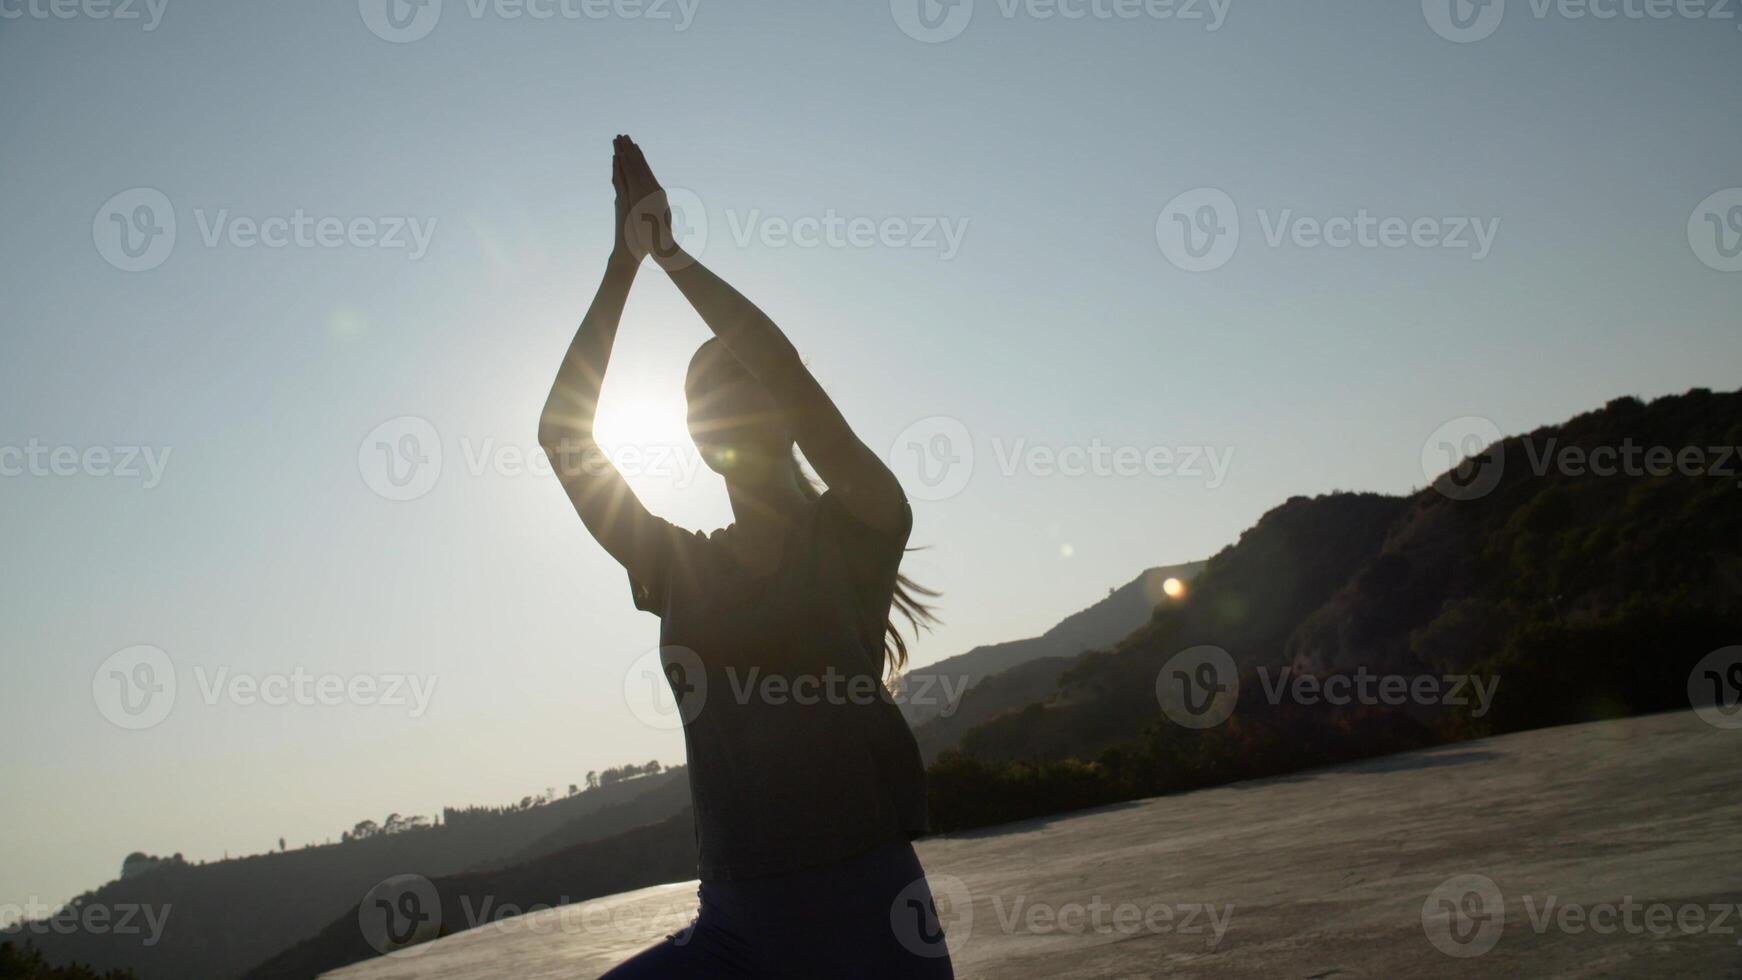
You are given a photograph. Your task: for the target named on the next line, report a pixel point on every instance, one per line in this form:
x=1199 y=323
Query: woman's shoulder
x=834 y=515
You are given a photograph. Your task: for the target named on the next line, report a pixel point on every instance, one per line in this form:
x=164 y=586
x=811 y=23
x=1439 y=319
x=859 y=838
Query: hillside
x=652 y=854
x=1583 y=597
x=1321 y=874
x=1008 y=690
x=228 y=916
x=1099 y=626
x=1579 y=597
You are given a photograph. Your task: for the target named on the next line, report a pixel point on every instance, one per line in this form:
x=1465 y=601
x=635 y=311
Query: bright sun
x=641 y=420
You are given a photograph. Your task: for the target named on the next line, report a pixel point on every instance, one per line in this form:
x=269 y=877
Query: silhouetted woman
x=775 y=634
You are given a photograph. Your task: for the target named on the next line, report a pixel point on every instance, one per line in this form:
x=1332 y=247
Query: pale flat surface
x=1326 y=873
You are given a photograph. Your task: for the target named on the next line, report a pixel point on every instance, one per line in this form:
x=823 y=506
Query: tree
x=593 y=779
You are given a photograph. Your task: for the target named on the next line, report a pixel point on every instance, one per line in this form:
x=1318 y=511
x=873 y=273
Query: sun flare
x=642 y=420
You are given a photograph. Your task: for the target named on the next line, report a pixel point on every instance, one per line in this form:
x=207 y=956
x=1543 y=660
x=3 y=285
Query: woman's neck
x=765 y=510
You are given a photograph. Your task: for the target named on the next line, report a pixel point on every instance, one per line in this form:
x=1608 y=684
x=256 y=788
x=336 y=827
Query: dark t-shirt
x=797 y=757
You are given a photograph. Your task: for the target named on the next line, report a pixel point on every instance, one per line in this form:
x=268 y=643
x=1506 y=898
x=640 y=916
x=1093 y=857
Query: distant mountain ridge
x=1586 y=596
x=938 y=688
x=651 y=854
x=228 y=916
x=1589 y=597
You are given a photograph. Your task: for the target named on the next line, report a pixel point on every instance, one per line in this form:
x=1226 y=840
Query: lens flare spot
x=1174 y=588
x=347 y=323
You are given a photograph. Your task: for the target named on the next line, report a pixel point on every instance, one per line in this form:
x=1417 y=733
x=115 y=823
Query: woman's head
x=743 y=437
x=732 y=417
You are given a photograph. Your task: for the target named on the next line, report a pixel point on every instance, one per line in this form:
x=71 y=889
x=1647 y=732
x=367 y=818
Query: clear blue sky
x=1058 y=320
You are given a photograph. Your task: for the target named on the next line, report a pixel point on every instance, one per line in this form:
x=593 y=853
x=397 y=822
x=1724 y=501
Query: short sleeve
x=873 y=555
x=669 y=553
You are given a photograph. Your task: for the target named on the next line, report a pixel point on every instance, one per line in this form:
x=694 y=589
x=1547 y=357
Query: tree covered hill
x=220 y=919
x=1581 y=595
x=938 y=689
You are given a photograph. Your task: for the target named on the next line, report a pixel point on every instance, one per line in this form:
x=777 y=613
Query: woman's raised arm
x=565 y=428
x=864 y=485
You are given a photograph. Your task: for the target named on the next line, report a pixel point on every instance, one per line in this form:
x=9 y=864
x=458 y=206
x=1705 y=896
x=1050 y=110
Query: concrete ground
x=1604 y=850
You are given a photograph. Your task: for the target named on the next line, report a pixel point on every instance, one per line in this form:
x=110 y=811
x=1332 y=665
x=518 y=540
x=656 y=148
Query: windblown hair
x=909 y=600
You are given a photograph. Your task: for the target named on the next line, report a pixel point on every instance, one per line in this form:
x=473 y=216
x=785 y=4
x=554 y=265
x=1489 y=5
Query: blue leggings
x=868 y=917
